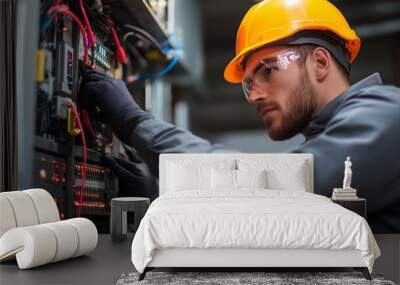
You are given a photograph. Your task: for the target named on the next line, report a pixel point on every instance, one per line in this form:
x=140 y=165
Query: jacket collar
x=319 y=120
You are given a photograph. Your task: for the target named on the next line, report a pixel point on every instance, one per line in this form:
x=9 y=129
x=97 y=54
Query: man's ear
x=321 y=61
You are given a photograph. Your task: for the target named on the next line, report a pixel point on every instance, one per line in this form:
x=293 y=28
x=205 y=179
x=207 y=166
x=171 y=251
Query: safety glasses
x=264 y=71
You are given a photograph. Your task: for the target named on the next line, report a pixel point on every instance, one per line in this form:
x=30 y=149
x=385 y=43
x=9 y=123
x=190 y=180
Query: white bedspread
x=250 y=219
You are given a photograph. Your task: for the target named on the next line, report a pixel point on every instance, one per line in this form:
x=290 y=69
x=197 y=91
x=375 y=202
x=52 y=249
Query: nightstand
x=357 y=205
x=119 y=211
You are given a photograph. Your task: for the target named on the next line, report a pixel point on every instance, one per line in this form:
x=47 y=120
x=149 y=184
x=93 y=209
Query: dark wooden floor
x=102 y=266
x=110 y=259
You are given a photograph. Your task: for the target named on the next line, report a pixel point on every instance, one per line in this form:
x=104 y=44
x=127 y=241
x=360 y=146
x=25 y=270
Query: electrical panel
x=51 y=174
x=68 y=160
x=128 y=40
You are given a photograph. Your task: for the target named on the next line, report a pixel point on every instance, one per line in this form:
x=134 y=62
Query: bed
x=245 y=211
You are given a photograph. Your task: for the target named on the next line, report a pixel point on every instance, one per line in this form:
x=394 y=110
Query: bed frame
x=244 y=259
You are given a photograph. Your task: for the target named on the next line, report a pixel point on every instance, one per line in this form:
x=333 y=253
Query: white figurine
x=347 y=174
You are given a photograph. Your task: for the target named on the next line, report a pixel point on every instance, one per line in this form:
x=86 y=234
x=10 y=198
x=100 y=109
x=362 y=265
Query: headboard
x=235 y=161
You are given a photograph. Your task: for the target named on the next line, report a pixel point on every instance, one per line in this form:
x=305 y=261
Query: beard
x=301 y=106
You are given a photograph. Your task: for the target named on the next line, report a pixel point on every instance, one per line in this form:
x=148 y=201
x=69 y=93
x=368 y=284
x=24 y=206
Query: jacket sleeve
x=367 y=129
x=152 y=137
x=136 y=127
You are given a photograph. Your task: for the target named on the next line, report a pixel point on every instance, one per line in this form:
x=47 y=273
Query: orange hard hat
x=271 y=21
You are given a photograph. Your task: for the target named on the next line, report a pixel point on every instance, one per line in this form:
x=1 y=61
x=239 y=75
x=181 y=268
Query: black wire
x=138 y=36
x=145 y=34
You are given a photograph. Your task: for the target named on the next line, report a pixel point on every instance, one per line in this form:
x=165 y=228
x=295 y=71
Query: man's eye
x=266 y=71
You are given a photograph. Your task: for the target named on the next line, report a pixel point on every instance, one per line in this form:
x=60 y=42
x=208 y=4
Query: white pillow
x=251 y=178
x=188 y=177
x=293 y=178
x=282 y=174
x=223 y=179
x=226 y=179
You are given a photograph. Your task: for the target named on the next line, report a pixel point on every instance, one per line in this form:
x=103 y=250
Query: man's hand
x=114 y=100
x=134 y=177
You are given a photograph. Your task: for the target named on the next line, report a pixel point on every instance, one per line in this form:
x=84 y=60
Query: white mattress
x=252 y=218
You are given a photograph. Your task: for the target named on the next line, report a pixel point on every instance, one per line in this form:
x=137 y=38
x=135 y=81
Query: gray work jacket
x=363 y=123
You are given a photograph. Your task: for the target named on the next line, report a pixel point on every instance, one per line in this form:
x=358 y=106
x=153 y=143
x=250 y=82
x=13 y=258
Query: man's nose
x=256 y=95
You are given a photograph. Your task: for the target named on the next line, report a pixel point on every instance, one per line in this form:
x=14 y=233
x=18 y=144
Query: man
x=293 y=59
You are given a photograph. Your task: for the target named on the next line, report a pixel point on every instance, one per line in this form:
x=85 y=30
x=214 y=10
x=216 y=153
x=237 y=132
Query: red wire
x=63 y=9
x=90 y=34
x=88 y=124
x=120 y=52
x=83 y=172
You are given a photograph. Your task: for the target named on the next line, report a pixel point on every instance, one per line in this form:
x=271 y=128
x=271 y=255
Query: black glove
x=134 y=177
x=116 y=103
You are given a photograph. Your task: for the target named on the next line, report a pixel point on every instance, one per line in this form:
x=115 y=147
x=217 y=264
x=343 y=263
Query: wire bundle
x=90 y=35
x=119 y=51
x=144 y=35
x=64 y=9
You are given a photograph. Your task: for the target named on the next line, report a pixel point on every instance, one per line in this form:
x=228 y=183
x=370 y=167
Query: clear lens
x=246 y=84
x=264 y=70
